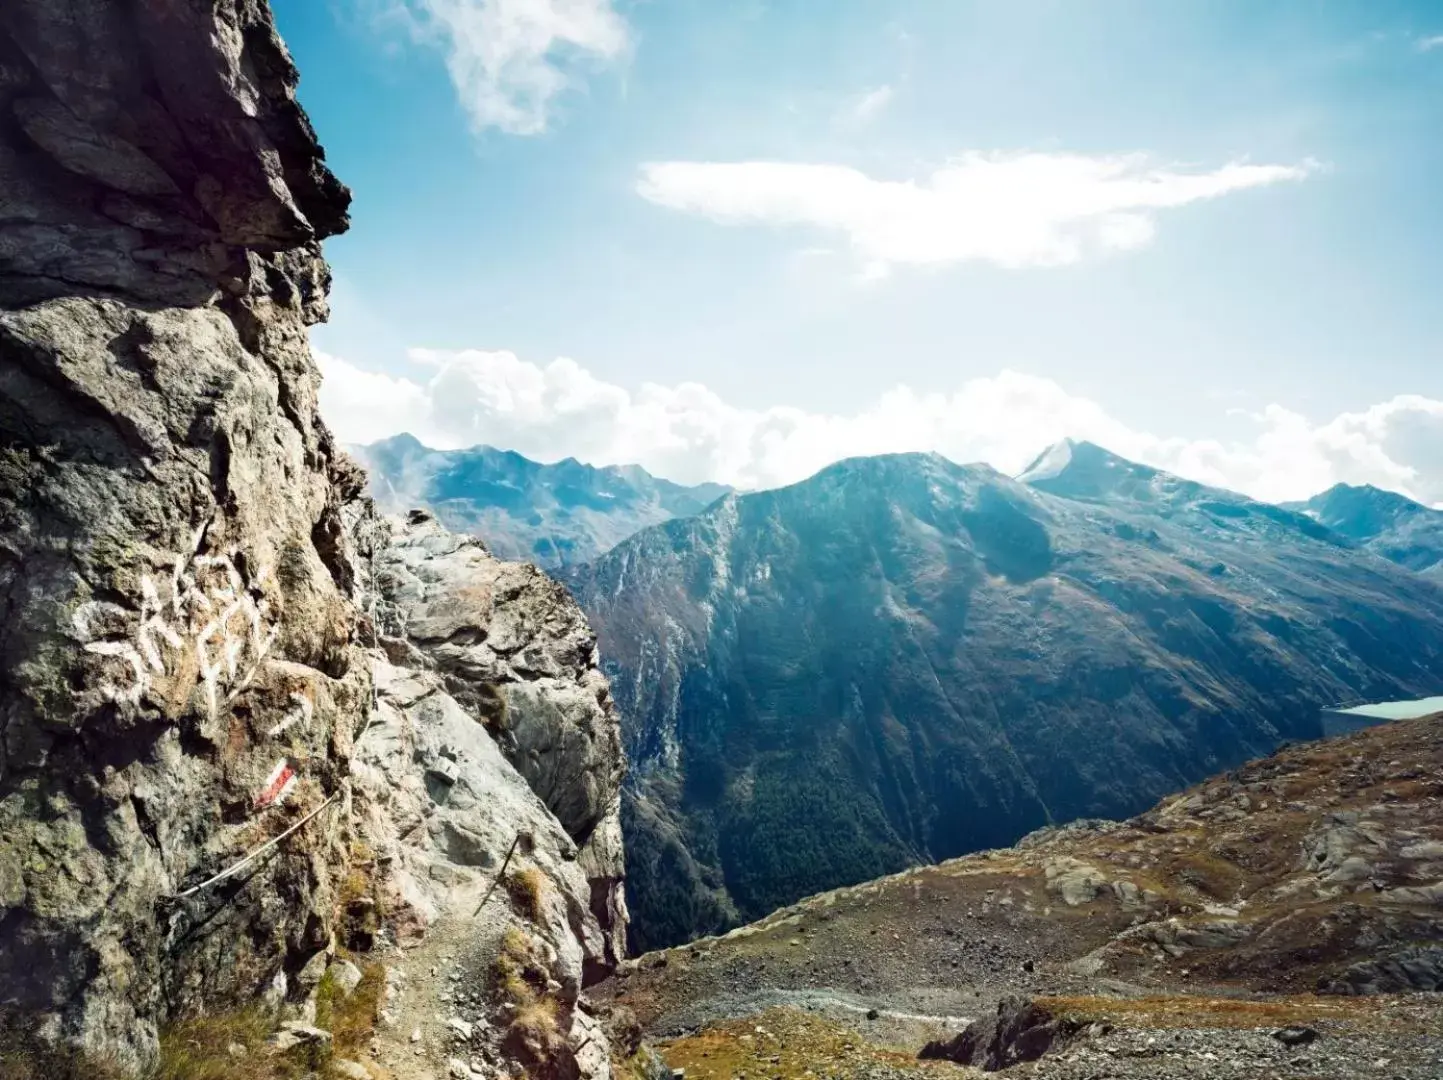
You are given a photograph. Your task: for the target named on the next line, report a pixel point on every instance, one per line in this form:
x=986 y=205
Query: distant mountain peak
x=1360 y=494
x=1083 y=470
x=1386 y=522
x=1050 y=463
x=554 y=514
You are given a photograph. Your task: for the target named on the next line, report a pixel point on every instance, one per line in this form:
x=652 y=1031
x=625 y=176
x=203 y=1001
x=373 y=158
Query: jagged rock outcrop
x=507 y=648
x=513 y=647
x=487 y=784
x=178 y=681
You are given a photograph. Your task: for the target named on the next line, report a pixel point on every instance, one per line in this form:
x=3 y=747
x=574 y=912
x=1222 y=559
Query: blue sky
x=763 y=234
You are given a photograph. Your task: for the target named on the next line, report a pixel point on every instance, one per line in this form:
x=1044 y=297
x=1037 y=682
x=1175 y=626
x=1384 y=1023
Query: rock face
x=553 y=515
x=177 y=676
x=490 y=686
x=211 y=641
x=486 y=795
x=902 y=659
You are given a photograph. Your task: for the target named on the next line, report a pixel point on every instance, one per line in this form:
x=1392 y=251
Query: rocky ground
x=1299 y=891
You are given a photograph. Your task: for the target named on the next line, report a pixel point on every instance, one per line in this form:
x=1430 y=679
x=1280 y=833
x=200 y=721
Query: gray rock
x=351 y=1070
x=515 y=650
x=1295 y=1036
x=179 y=619
x=457 y=697
x=1075 y=882
x=295 y=1033
x=1405 y=971
x=345 y=976
x=1018 y=1031
x=313 y=971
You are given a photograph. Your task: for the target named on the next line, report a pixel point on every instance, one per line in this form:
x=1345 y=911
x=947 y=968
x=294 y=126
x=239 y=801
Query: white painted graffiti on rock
x=300 y=712
x=205 y=608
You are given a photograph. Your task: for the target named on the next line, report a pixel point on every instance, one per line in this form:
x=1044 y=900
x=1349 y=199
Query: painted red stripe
x=268 y=796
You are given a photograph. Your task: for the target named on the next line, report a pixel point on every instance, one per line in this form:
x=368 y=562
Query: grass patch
x=23 y=1056
x=528 y=889
x=360 y=902
x=790 y=1045
x=351 y=1020
x=200 y=1049
x=533 y=1033
x=516 y=969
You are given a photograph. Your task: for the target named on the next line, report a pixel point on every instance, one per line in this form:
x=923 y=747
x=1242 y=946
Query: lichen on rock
x=177 y=675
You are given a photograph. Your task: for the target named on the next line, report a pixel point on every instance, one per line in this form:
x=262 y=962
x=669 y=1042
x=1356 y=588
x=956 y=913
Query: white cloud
x=1013 y=209
x=689 y=434
x=867 y=106
x=1428 y=44
x=508 y=59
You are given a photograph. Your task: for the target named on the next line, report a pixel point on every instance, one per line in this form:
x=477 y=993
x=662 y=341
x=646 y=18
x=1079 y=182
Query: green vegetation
x=668 y=897
x=200 y=1049
x=804 y=831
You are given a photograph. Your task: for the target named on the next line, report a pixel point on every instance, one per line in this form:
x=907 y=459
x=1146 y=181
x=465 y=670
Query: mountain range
x=902 y=659
x=552 y=515
x=1384 y=522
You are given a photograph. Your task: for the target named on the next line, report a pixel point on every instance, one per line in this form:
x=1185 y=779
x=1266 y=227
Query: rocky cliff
x=235 y=739
x=177 y=675
x=486 y=803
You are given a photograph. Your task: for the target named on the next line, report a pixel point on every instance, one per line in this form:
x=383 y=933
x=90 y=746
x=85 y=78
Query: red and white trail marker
x=277 y=786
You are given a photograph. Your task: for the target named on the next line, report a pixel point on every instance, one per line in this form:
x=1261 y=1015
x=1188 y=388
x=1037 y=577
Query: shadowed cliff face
x=177 y=676
x=903 y=659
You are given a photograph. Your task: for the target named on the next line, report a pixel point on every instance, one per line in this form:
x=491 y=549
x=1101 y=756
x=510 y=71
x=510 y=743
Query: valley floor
x=1178 y=944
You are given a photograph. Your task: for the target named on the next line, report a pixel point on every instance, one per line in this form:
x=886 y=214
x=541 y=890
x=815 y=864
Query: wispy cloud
x=1012 y=209
x=510 y=59
x=689 y=433
x=1428 y=44
x=866 y=107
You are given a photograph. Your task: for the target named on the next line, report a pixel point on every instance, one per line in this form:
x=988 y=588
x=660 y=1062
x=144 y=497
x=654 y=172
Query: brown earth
x=1299 y=890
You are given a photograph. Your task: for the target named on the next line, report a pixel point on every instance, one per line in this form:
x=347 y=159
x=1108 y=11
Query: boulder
x=1018 y=1031
x=1403 y=972
x=296 y=1033
x=1076 y=882
x=345 y=976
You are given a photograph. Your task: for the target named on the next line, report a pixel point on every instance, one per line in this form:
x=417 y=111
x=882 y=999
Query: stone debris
x=295 y=1033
